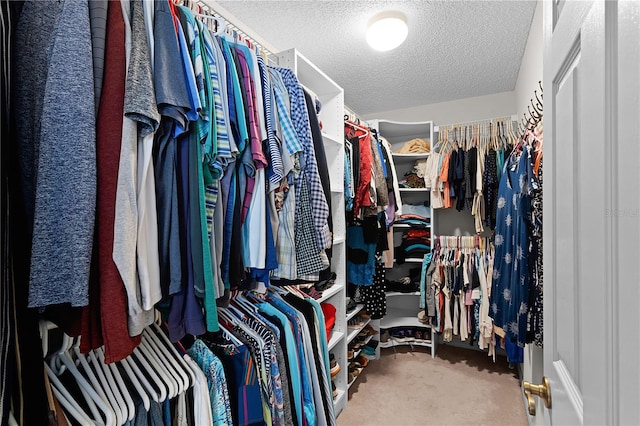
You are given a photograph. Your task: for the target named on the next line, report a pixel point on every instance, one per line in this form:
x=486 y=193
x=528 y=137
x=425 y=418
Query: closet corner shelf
x=355 y=311
x=406 y=226
x=399 y=293
x=353 y=332
x=341 y=394
x=330 y=292
x=414 y=189
x=416 y=156
x=392 y=343
x=331 y=139
x=336 y=336
x=411 y=260
x=401 y=318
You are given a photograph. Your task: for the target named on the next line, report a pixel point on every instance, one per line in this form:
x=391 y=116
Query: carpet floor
x=459 y=387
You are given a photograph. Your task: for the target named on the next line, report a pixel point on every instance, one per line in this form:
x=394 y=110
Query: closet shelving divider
x=332 y=117
x=403 y=308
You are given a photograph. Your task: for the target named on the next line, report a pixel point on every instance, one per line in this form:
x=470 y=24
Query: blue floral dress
x=510 y=285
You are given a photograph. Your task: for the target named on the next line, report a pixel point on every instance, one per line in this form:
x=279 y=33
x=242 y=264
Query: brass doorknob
x=542 y=390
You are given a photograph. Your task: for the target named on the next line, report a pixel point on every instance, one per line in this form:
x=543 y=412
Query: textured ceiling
x=454 y=50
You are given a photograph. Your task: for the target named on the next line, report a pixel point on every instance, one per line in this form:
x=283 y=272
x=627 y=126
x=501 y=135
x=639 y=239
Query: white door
x=592 y=212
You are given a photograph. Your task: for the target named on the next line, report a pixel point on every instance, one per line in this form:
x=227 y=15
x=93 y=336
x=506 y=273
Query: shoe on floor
x=364 y=361
x=333 y=365
x=369 y=352
x=351 y=305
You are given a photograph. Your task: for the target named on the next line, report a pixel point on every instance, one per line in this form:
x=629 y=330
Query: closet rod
x=471 y=123
x=237 y=25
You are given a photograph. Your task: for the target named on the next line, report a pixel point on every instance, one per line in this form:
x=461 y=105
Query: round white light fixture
x=387 y=30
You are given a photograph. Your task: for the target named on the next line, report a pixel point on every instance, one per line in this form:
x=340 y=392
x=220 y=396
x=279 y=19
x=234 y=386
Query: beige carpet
x=459 y=387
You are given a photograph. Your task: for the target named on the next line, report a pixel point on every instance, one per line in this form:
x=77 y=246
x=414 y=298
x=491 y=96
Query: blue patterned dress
x=510 y=285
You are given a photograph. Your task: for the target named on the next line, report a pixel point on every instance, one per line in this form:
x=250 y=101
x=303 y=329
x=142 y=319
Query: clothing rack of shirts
x=199 y=175
x=272 y=349
x=464 y=169
x=454 y=289
x=268 y=364
x=371 y=197
x=84 y=389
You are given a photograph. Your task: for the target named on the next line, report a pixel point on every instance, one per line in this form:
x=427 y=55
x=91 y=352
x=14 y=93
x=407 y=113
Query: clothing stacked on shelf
x=371 y=199
x=267 y=365
x=414 y=178
x=416 y=241
x=455 y=287
x=149 y=202
x=465 y=166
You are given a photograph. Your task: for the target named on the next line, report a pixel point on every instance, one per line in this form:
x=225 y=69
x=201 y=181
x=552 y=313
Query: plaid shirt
x=285 y=243
x=289 y=135
x=309 y=165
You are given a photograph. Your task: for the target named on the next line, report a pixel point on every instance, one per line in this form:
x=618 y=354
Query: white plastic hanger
x=121 y=393
x=243 y=302
x=138 y=380
x=59 y=390
x=58 y=367
x=100 y=386
x=94 y=400
x=60 y=361
x=65 y=399
x=154 y=374
x=169 y=361
x=162 y=337
x=174 y=357
x=161 y=366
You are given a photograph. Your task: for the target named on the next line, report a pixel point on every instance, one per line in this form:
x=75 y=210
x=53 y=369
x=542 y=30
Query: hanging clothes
x=455 y=283
x=511 y=279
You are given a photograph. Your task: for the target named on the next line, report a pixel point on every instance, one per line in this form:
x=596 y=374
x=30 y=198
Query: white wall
x=531 y=66
x=530 y=74
x=459 y=111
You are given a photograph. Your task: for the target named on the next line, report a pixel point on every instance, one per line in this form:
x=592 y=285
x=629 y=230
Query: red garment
x=113 y=302
x=363 y=195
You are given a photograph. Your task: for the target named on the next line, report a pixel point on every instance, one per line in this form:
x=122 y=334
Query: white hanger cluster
x=494 y=133
x=155 y=371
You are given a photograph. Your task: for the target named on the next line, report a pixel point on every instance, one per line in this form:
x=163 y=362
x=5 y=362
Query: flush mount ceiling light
x=387 y=30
